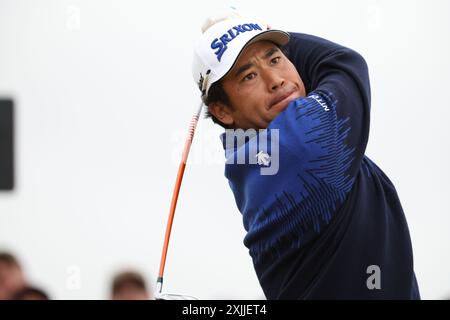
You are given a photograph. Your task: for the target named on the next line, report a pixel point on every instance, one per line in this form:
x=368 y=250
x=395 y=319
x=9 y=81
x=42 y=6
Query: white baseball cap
x=220 y=46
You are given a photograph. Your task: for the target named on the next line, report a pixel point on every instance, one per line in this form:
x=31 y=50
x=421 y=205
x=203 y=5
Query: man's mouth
x=283 y=99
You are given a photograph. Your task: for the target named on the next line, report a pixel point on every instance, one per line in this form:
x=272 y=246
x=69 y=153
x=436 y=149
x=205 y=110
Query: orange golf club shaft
x=176 y=191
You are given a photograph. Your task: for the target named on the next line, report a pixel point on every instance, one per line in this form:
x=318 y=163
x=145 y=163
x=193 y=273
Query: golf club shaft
x=176 y=191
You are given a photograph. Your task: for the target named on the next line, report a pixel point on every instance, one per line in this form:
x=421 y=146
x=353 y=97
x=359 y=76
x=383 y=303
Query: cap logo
x=220 y=44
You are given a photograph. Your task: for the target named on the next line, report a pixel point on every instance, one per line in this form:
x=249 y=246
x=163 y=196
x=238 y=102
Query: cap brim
x=278 y=37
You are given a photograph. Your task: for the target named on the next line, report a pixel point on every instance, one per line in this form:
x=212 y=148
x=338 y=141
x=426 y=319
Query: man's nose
x=274 y=81
x=278 y=85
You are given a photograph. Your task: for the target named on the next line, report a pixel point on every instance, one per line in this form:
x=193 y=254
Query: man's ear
x=222 y=113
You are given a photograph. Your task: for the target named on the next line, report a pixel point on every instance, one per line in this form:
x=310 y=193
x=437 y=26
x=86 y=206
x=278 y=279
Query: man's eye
x=250 y=76
x=275 y=60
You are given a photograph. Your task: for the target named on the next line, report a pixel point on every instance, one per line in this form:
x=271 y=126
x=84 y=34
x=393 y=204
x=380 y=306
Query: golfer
x=325 y=222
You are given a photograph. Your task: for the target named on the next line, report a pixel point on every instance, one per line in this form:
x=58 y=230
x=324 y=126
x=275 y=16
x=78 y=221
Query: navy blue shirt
x=328 y=220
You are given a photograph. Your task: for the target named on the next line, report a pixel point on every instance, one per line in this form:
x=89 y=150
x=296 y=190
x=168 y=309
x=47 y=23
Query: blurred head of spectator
x=129 y=285
x=31 y=293
x=11 y=276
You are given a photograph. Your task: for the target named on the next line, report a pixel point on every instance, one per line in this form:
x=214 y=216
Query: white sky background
x=104 y=94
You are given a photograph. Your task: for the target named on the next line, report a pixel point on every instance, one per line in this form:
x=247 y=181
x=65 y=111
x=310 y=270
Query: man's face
x=261 y=84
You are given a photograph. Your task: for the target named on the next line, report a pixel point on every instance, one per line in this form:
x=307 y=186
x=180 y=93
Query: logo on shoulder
x=320 y=101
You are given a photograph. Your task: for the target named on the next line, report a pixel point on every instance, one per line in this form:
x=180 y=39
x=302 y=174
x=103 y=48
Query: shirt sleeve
x=321 y=138
x=338 y=94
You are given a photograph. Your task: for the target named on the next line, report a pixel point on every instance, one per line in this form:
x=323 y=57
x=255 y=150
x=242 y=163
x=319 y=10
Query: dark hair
x=8 y=259
x=28 y=292
x=128 y=278
x=217 y=94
